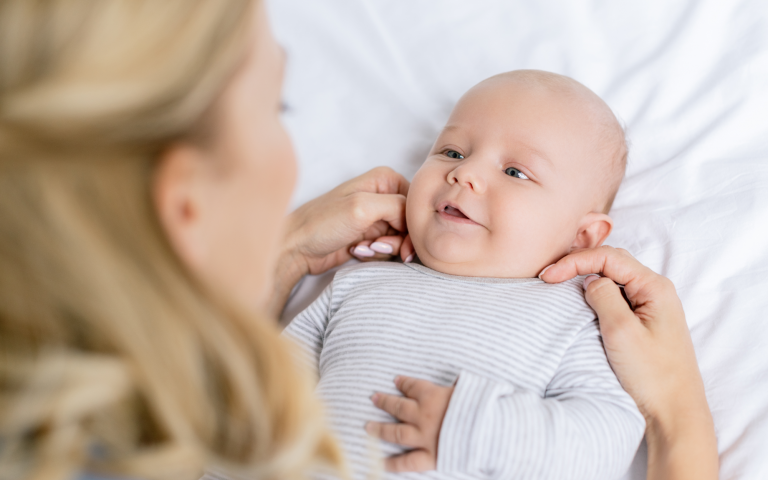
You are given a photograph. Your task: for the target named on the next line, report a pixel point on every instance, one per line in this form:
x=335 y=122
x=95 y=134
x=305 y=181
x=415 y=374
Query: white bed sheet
x=371 y=83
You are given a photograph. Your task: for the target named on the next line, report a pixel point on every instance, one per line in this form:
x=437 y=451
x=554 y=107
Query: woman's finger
x=407 y=251
x=362 y=250
x=413 y=461
x=378 y=229
x=382 y=248
x=400 y=433
x=402 y=408
x=367 y=208
x=619 y=267
x=387 y=245
x=604 y=296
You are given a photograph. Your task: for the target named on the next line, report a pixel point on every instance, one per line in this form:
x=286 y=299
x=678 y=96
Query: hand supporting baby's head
x=524 y=171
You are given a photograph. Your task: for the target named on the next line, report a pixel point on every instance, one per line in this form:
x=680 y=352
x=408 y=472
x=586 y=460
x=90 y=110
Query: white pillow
x=371 y=83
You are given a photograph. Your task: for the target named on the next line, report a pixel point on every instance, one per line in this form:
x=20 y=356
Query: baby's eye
x=513 y=172
x=454 y=154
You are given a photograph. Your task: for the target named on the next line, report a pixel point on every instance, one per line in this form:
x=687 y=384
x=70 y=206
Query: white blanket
x=371 y=83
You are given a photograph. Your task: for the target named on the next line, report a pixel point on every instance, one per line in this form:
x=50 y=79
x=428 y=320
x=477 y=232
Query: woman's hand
x=650 y=349
x=321 y=233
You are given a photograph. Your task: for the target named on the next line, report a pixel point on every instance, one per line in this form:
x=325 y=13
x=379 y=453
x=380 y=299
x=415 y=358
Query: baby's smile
x=523 y=172
x=451 y=212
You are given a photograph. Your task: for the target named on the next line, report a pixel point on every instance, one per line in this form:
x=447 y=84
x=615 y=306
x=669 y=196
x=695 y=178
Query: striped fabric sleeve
x=308 y=330
x=585 y=427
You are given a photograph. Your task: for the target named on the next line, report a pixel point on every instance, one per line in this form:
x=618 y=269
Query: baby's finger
x=413 y=461
x=413 y=387
x=400 y=433
x=403 y=409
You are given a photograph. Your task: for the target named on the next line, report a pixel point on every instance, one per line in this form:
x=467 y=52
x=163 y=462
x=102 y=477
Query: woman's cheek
x=285 y=161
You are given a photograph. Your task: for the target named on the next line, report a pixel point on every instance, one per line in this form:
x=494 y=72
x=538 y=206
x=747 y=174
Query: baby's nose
x=468 y=176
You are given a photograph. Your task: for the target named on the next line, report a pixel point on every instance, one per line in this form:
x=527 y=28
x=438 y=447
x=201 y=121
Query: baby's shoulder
x=371 y=273
x=565 y=301
x=361 y=280
x=365 y=269
x=568 y=290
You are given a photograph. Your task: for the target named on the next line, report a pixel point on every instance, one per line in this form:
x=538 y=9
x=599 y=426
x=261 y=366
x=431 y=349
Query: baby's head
x=524 y=171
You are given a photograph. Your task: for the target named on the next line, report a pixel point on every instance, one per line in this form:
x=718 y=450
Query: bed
x=370 y=83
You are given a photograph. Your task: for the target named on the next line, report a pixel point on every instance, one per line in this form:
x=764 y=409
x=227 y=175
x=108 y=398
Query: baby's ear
x=594 y=228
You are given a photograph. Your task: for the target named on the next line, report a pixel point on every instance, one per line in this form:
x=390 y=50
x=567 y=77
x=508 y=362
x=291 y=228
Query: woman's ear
x=178 y=197
x=594 y=228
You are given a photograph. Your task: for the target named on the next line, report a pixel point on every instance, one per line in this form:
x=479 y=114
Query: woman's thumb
x=605 y=298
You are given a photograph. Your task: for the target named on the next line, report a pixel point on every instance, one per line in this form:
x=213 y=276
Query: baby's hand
x=421 y=411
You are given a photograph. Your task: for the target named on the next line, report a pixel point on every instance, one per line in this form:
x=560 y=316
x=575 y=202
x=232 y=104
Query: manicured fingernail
x=363 y=251
x=589 y=279
x=408 y=259
x=545 y=269
x=369 y=428
x=375 y=397
x=382 y=247
x=398 y=379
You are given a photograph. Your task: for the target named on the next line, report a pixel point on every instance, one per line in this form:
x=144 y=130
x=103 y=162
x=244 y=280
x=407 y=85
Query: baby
x=506 y=375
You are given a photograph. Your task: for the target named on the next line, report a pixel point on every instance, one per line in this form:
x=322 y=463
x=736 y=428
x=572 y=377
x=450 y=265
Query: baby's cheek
x=523 y=236
x=417 y=205
x=415 y=221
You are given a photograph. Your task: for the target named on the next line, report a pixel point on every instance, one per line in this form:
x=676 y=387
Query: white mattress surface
x=370 y=83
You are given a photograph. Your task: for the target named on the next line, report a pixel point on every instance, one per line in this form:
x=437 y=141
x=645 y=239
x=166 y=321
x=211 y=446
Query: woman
x=144 y=176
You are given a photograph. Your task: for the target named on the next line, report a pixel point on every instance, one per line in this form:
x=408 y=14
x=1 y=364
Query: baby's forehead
x=558 y=106
x=561 y=101
x=531 y=87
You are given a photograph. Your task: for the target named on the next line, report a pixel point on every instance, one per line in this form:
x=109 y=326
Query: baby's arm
x=308 y=330
x=585 y=427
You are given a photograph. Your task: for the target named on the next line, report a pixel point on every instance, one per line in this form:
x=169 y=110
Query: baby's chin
x=463 y=260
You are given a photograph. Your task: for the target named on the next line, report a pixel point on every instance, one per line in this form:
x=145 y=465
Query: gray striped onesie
x=535 y=396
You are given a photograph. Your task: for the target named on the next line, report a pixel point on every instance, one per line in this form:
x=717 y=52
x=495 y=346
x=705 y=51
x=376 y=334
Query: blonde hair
x=113 y=359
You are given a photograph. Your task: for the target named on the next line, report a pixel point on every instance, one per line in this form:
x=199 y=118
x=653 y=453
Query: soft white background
x=371 y=82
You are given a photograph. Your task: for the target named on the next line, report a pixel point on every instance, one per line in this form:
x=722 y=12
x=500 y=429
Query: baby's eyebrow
x=535 y=159
x=540 y=154
x=449 y=128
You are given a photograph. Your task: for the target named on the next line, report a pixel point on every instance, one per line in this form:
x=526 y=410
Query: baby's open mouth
x=454 y=212
x=451 y=213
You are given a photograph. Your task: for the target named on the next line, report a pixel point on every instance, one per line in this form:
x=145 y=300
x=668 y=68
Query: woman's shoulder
x=91 y=476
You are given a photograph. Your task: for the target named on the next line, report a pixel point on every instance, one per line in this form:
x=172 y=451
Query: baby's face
x=511 y=185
